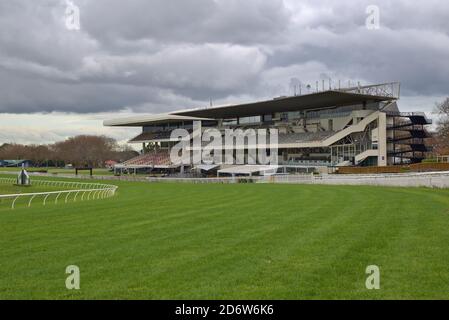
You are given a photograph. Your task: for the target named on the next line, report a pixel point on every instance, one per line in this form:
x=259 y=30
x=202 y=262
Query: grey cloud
x=35 y=32
x=416 y=58
x=156 y=56
x=215 y=67
x=219 y=21
x=23 y=95
x=346 y=15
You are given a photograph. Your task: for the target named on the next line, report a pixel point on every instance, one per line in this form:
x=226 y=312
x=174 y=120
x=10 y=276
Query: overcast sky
x=151 y=56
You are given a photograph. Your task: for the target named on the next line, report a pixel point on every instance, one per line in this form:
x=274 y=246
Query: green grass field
x=11 y=189
x=244 y=241
x=5 y=203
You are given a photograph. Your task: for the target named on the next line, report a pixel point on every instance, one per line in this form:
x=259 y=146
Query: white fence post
x=95 y=191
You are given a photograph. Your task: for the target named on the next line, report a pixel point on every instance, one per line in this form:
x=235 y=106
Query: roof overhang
x=320 y=100
x=314 y=101
x=139 y=121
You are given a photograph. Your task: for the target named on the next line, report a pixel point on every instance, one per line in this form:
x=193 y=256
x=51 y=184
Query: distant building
x=15 y=163
x=110 y=163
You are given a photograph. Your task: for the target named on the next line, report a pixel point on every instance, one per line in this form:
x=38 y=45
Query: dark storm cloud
x=422 y=68
x=411 y=46
x=156 y=56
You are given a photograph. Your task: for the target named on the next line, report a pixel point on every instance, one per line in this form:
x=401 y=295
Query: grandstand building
x=356 y=126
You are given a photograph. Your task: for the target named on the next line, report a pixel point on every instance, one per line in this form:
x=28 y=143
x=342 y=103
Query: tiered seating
x=151 y=159
x=307 y=162
x=291 y=138
x=304 y=137
x=149 y=136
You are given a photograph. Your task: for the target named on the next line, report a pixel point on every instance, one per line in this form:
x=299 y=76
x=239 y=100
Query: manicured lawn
x=246 y=241
x=12 y=189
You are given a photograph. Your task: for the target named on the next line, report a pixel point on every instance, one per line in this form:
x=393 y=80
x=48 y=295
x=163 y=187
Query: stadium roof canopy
x=320 y=100
x=312 y=101
x=139 y=121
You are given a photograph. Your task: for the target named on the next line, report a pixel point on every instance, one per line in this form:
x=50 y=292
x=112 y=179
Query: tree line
x=441 y=145
x=80 y=151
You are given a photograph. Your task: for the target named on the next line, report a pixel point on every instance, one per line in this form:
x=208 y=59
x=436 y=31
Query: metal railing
x=425 y=179
x=410 y=115
x=387 y=90
x=75 y=191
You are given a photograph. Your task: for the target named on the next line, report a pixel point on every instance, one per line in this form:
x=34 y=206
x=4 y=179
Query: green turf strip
x=248 y=241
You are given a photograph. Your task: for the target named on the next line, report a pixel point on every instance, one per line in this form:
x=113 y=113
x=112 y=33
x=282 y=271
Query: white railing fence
x=424 y=179
x=430 y=180
x=74 y=191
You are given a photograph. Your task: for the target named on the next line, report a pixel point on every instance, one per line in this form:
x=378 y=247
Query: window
x=229 y=122
x=284 y=116
x=247 y=120
x=267 y=118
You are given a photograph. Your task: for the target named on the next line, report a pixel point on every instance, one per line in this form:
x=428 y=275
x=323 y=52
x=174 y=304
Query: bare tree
x=84 y=150
x=442 y=136
x=13 y=152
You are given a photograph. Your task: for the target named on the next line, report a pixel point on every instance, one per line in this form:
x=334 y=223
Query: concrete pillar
x=382 y=140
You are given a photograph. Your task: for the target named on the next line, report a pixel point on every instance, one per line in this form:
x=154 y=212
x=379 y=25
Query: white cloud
x=54 y=127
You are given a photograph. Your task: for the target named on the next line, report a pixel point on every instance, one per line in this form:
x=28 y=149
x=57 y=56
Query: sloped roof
x=320 y=100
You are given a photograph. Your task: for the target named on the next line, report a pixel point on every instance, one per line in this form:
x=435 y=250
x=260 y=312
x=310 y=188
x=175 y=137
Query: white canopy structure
x=206 y=167
x=250 y=170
